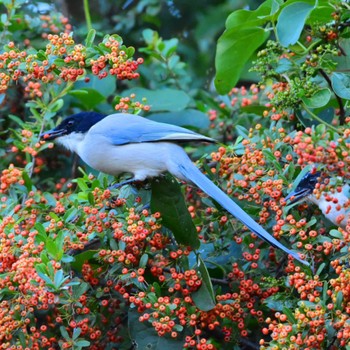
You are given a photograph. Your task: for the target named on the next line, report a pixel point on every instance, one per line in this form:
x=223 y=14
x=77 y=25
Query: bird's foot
x=137 y=183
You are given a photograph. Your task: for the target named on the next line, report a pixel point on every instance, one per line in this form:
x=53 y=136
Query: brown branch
x=339 y=100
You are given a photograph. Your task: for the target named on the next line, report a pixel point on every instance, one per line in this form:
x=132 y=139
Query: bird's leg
x=121 y=184
x=132 y=181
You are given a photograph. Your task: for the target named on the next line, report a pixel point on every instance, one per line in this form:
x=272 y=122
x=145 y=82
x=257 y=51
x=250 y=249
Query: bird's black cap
x=79 y=123
x=305 y=187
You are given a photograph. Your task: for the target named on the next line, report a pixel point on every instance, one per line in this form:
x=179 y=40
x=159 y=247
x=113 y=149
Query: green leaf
x=41 y=55
x=82 y=343
x=250 y=18
x=41 y=268
x=44 y=258
x=275 y=303
x=168 y=199
x=341 y=85
x=53 y=249
x=276 y=4
x=45 y=278
x=162 y=99
x=105 y=87
x=82 y=184
x=321 y=13
x=90 y=98
x=57 y=105
x=143 y=260
x=3 y=19
x=16 y=119
x=81 y=258
x=289 y=315
x=59 y=278
x=243 y=35
x=291 y=22
x=324 y=293
x=54 y=216
x=339 y=301
x=79 y=290
x=157 y=289
x=204 y=297
x=51 y=200
x=144 y=337
x=70 y=214
x=41 y=231
x=170 y=47
x=235 y=46
x=336 y=234
x=64 y=333
x=343 y=62
x=271 y=158
x=188 y=117
x=27 y=181
x=284 y=65
x=76 y=333
x=18 y=3
x=306 y=119
x=91 y=198
x=90 y=38
x=320 y=269
x=150 y=36
x=319 y=99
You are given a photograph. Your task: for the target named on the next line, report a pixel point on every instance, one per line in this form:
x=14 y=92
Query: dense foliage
x=83 y=266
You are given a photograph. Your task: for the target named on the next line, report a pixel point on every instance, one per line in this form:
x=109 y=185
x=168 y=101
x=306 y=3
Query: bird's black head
x=305 y=187
x=78 y=123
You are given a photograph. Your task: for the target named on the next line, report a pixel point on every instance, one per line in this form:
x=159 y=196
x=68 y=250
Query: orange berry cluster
x=64 y=60
x=9 y=177
x=313 y=321
x=339 y=294
x=127 y=104
x=117 y=59
x=19 y=278
x=195 y=342
x=54 y=23
x=322 y=149
x=9 y=66
x=239 y=98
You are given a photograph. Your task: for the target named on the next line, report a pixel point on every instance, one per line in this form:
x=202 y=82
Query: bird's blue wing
x=123 y=128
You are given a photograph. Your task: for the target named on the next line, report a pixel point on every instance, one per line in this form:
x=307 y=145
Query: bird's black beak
x=53 y=134
x=298 y=194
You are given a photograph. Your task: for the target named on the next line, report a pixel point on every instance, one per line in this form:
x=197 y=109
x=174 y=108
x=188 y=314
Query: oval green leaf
x=341 y=85
x=291 y=22
x=234 y=48
x=319 y=99
x=160 y=100
x=204 y=297
x=168 y=199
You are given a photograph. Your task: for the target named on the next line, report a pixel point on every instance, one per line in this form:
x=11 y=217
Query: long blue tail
x=193 y=174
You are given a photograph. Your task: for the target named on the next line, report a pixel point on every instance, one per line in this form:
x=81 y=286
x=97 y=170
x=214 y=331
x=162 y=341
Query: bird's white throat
x=71 y=141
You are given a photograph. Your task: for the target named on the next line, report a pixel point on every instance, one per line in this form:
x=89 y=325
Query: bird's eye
x=70 y=123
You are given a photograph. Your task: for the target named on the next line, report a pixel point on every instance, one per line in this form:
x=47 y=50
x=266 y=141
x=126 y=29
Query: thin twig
x=316 y=117
x=87 y=15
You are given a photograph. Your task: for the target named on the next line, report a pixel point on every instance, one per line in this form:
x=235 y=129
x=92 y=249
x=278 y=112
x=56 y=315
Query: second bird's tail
x=193 y=174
